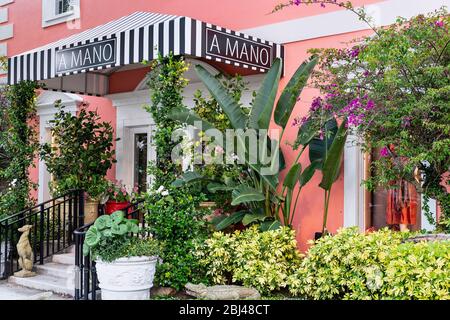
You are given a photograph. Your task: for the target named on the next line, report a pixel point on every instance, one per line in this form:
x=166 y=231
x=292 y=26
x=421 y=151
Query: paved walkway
x=12 y=292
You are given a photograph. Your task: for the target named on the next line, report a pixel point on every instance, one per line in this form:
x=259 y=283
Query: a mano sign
x=87 y=56
x=244 y=51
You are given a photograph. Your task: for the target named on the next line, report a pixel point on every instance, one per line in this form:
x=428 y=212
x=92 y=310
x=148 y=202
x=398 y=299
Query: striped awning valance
x=141 y=36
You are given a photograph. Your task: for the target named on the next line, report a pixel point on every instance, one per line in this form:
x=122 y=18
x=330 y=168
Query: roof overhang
x=133 y=39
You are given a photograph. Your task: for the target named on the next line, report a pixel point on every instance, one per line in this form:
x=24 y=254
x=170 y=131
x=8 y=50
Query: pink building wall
x=233 y=14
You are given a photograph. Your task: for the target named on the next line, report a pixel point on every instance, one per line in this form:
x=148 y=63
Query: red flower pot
x=113 y=206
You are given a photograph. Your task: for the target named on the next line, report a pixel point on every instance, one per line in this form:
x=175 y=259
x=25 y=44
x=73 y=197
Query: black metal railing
x=53 y=222
x=86 y=283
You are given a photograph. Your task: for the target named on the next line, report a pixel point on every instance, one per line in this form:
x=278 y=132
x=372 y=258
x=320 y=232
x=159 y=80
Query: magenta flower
x=384 y=152
x=439 y=24
x=316 y=104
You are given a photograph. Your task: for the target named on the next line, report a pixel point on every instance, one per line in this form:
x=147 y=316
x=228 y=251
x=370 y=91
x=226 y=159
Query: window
x=59 y=11
x=140 y=161
x=63 y=6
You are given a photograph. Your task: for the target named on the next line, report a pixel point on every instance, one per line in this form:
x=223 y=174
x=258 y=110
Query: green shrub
x=378 y=265
x=175 y=219
x=419 y=271
x=262 y=260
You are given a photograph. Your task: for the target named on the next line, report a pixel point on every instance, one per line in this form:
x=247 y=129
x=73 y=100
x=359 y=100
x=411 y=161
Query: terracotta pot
x=113 y=206
x=90 y=210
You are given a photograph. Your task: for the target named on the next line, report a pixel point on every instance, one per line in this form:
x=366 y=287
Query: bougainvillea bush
x=394 y=89
x=378 y=265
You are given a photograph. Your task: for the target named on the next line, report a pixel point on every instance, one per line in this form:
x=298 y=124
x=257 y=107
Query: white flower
x=160 y=189
x=165 y=193
x=219 y=150
x=140 y=145
x=13 y=183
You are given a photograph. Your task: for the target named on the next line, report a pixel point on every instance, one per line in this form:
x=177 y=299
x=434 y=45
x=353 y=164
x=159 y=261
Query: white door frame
x=46 y=112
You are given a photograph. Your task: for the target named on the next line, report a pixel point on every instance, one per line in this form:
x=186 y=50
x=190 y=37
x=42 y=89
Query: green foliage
x=208 y=109
x=18 y=145
x=378 y=265
x=394 y=89
x=258 y=192
x=263 y=260
x=174 y=215
x=176 y=221
x=113 y=237
x=82 y=152
x=166 y=82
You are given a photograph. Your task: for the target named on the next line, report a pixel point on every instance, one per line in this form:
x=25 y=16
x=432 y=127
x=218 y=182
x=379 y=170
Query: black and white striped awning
x=138 y=37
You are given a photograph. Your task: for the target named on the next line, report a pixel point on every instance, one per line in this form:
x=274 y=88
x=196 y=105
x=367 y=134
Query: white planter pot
x=126 y=278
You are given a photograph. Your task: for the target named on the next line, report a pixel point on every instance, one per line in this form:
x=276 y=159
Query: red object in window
x=402 y=205
x=113 y=206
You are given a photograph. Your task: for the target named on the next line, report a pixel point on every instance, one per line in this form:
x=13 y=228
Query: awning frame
x=142 y=36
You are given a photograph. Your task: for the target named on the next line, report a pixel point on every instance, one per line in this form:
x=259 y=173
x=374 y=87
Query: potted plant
x=118 y=197
x=80 y=155
x=125 y=257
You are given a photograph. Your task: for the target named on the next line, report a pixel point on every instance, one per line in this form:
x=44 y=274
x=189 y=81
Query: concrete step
x=44 y=283
x=65 y=258
x=56 y=270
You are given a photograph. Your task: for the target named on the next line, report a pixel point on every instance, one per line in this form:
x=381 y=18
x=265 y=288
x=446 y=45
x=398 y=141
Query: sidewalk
x=12 y=292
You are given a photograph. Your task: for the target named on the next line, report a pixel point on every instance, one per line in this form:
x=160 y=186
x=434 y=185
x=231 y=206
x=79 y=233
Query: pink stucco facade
x=234 y=14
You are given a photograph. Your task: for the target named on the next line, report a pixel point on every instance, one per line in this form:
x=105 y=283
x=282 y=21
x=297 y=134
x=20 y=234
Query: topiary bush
x=262 y=260
x=378 y=265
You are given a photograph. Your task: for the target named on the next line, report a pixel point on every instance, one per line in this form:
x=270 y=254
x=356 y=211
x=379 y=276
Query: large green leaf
x=118 y=216
x=293 y=176
x=332 y=165
x=253 y=217
x=262 y=109
x=93 y=237
x=187 y=178
x=245 y=194
x=309 y=171
x=119 y=229
x=232 y=219
x=214 y=187
x=318 y=148
x=231 y=108
x=103 y=222
x=306 y=133
x=270 y=225
x=184 y=115
x=290 y=94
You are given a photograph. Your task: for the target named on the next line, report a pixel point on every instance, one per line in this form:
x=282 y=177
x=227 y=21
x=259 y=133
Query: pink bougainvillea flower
x=439 y=24
x=384 y=152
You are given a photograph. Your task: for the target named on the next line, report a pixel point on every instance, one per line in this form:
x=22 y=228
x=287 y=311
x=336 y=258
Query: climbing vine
x=19 y=145
x=166 y=83
x=175 y=216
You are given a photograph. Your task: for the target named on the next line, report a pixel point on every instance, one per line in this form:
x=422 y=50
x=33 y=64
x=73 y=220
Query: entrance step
x=44 y=283
x=57 y=275
x=56 y=269
x=65 y=258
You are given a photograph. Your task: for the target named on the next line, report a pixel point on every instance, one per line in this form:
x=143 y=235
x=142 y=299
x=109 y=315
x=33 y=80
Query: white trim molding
x=353 y=189
x=50 y=17
x=46 y=112
x=342 y=21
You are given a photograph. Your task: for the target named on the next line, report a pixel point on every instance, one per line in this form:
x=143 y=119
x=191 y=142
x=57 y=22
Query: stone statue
x=25 y=252
x=221 y=292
